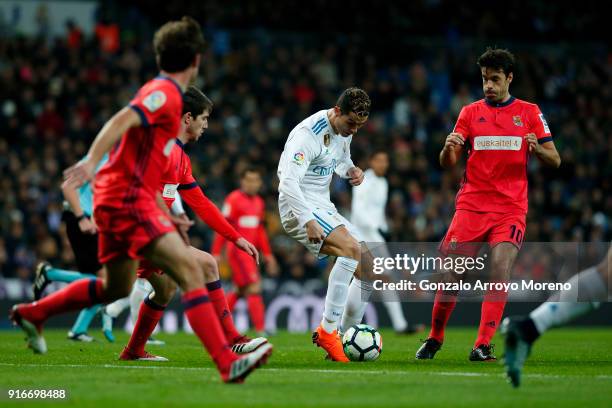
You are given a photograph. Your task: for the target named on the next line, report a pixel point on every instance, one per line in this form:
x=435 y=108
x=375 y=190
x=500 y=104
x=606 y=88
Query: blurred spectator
x=107 y=34
x=75 y=35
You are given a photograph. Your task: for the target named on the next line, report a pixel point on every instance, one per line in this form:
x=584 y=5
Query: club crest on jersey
x=298 y=158
x=154 y=101
x=326 y=139
x=453 y=243
x=517 y=121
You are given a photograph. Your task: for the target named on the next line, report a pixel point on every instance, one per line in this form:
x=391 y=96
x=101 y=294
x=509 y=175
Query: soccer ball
x=362 y=343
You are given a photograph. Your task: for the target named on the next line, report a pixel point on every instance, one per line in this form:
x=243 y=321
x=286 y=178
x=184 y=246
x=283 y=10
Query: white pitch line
x=308 y=370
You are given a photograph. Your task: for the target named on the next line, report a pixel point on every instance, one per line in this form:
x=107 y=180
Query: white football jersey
x=312 y=153
x=369 y=202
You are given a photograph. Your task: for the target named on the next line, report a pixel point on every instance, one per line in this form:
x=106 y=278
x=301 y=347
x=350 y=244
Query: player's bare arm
x=110 y=134
x=86 y=225
x=247 y=247
x=546 y=152
x=453 y=146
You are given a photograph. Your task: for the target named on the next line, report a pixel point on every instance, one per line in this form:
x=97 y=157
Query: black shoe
x=40 y=279
x=483 y=352
x=428 y=350
x=412 y=329
x=520 y=333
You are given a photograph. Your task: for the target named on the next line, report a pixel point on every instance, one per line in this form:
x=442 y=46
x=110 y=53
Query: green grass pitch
x=569 y=367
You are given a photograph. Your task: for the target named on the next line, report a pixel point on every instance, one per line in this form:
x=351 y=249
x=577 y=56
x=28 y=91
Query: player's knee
x=208 y=265
x=188 y=272
x=353 y=249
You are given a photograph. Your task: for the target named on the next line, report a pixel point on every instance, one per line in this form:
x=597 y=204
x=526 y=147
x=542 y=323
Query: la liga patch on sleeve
x=544 y=123
x=154 y=100
x=298 y=158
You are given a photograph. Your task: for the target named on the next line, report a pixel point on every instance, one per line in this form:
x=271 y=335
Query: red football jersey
x=246 y=213
x=178 y=177
x=495 y=177
x=136 y=163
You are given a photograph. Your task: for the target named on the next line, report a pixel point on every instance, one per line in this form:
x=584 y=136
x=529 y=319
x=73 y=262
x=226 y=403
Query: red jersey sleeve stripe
x=143 y=117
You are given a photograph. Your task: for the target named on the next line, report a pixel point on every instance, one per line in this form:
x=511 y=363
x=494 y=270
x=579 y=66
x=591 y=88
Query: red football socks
x=256 y=311
x=217 y=297
x=232 y=298
x=149 y=315
x=490 y=315
x=444 y=303
x=206 y=326
x=78 y=295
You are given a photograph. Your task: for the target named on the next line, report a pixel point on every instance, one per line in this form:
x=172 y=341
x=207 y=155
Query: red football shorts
x=244 y=268
x=469 y=230
x=124 y=232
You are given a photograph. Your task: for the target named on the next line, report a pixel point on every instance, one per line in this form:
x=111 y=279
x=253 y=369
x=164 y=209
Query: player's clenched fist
x=355 y=176
x=452 y=140
x=532 y=141
x=314 y=232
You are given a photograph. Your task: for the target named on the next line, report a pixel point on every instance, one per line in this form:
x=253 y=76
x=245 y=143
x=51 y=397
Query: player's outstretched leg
x=589 y=287
x=170 y=254
x=240 y=343
x=31 y=316
x=444 y=304
x=78 y=332
x=79 y=294
x=520 y=334
x=326 y=335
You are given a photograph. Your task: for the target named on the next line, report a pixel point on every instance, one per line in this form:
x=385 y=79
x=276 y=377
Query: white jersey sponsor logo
x=169 y=190
x=248 y=221
x=498 y=142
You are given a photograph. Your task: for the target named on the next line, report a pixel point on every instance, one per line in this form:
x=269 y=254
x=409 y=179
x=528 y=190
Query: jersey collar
x=180 y=144
x=501 y=104
x=171 y=80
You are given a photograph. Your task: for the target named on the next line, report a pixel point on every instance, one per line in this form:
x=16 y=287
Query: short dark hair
x=177 y=43
x=354 y=100
x=376 y=152
x=498 y=59
x=195 y=102
x=249 y=169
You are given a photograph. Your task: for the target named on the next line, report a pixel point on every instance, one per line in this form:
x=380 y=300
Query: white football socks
x=337 y=292
x=358 y=298
x=114 y=309
x=588 y=288
x=140 y=290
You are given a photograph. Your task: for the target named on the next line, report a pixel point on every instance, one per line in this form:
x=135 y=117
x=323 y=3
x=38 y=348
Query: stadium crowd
x=57 y=92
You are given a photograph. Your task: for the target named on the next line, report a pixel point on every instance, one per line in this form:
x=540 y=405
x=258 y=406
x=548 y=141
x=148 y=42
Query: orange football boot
x=331 y=343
